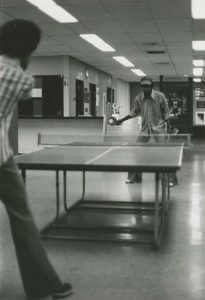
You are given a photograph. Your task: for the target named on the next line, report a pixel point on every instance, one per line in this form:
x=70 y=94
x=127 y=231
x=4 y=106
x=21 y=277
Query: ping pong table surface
x=105 y=157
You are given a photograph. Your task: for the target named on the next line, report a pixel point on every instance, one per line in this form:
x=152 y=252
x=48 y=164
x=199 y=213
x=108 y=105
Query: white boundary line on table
x=102 y=154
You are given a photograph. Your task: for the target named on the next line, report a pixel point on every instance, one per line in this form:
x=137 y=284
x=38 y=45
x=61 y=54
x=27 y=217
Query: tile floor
x=113 y=271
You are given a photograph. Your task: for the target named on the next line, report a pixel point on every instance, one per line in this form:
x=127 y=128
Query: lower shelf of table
x=117 y=222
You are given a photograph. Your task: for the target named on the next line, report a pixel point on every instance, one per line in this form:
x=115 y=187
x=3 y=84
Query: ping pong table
x=157 y=158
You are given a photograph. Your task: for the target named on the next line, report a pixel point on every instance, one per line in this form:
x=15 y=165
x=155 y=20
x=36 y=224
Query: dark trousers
x=38 y=276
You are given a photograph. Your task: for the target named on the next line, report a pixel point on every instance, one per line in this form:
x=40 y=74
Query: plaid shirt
x=15 y=84
x=154 y=111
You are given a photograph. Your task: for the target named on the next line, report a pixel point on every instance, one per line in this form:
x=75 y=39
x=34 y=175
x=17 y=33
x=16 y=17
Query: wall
x=98 y=77
x=53 y=65
x=29 y=129
x=122 y=95
x=71 y=69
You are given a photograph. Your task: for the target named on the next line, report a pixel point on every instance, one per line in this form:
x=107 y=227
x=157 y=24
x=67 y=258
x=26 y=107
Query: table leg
x=57 y=196
x=83 y=189
x=65 y=190
x=156 y=217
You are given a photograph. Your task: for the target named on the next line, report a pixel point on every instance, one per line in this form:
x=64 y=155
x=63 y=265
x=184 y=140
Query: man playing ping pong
x=152 y=106
x=18 y=39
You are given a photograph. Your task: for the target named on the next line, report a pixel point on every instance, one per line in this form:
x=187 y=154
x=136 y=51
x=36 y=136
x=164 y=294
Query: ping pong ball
x=111 y=121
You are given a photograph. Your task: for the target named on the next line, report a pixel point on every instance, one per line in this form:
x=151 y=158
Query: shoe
x=171 y=184
x=64 y=291
x=130 y=180
x=133 y=180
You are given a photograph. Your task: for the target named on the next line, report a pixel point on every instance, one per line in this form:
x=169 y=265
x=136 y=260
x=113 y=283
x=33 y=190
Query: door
x=93 y=99
x=79 y=89
x=52 y=105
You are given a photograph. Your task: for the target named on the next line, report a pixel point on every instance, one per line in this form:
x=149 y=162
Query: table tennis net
x=110 y=139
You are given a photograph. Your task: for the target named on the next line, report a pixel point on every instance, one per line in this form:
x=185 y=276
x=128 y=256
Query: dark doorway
x=92 y=88
x=109 y=94
x=79 y=89
x=52 y=96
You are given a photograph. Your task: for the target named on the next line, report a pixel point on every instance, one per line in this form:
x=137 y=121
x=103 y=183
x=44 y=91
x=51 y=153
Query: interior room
x=108 y=236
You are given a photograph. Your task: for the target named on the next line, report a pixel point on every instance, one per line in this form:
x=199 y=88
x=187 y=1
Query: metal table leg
x=156 y=213
x=57 y=196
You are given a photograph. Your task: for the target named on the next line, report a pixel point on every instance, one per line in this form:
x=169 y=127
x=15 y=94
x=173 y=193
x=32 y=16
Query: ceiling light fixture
x=138 y=72
x=197 y=71
x=198 y=62
x=198 y=9
x=97 y=42
x=123 y=61
x=198 y=45
x=53 y=10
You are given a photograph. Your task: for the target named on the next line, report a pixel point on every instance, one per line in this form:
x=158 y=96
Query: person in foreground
x=152 y=106
x=18 y=39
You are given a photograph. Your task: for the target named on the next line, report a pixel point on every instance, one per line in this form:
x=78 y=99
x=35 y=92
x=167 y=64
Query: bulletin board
x=179 y=103
x=199 y=106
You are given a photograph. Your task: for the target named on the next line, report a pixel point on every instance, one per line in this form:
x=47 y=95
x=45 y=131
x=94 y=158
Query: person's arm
x=120 y=121
x=134 y=113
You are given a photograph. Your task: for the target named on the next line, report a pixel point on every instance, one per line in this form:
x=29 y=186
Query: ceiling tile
x=175 y=24
x=103 y=26
x=170 y=9
x=145 y=25
x=131 y=26
x=177 y=36
x=85 y=12
x=28 y=12
x=150 y=37
x=128 y=10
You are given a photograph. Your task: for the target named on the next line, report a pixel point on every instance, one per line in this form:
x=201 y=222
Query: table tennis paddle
x=112 y=121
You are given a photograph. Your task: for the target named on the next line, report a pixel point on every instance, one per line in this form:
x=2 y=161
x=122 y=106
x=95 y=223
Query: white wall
x=53 y=65
x=29 y=129
x=122 y=95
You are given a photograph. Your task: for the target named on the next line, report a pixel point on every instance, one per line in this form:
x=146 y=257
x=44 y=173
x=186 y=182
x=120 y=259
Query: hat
x=146 y=81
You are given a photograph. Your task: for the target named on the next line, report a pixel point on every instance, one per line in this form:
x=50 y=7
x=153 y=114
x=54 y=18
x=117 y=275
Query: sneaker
x=130 y=180
x=64 y=291
x=133 y=180
x=171 y=184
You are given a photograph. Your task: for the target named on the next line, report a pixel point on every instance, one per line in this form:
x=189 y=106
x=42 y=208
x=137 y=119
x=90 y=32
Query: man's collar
x=152 y=94
x=14 y=62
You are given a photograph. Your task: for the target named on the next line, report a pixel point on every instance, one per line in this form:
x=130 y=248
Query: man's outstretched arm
x=120 y=121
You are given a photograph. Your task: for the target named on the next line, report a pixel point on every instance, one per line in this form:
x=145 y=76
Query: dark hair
x=19 y=38
x=144 y=79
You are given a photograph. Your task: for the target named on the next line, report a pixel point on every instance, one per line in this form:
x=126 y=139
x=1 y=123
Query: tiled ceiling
x=135 y=28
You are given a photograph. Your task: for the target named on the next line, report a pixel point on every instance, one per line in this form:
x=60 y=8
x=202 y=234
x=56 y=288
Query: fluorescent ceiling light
x=197 y=71
x=198 y=62
x=96 y=41
x=198 y=45
x=124 y=61
x=53 y=10
x=138 y=72
x=197 y=79
x=198 y=9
